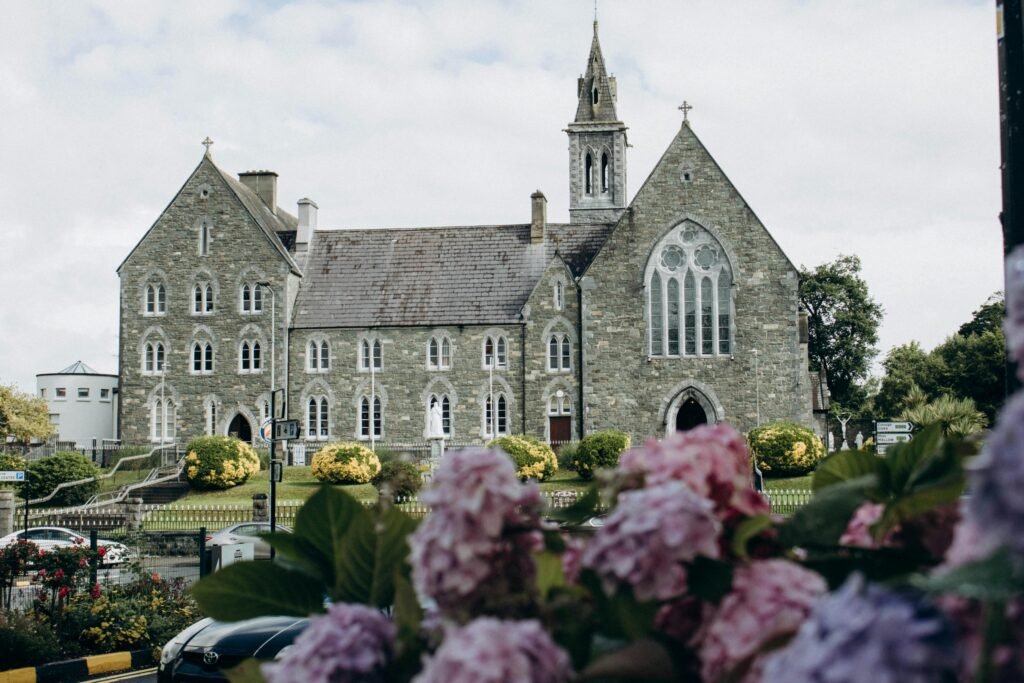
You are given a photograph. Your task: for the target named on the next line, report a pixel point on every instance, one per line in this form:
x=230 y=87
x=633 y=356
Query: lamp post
x=757 y=388
x=373 y=396
x=273 y=407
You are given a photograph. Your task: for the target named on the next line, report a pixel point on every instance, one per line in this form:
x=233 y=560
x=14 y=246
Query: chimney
x=264 y=184
x=307 y=223
x=539 y=217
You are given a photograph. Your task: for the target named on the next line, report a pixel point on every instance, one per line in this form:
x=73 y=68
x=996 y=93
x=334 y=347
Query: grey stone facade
x=571 y=302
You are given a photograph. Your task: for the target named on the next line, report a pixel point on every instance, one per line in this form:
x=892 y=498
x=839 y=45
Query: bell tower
x=597 y=147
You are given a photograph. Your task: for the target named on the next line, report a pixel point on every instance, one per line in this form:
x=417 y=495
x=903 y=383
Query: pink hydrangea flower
x=713 y=460
x=769 y=598
x=481 y=530
x=489 y=650
x=858 y=530
x=349 y=644
x=649 y=536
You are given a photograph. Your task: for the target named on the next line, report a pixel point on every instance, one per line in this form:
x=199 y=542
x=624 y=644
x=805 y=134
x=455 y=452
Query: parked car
x=206 y=648
x=53 y=537
x=246 y=532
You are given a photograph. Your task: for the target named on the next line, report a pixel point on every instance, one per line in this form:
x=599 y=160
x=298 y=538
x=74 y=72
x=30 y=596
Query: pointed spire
x=596 y=90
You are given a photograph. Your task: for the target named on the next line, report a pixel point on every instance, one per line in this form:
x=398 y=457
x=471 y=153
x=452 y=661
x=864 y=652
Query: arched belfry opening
x=240 y=428
x=690 y=414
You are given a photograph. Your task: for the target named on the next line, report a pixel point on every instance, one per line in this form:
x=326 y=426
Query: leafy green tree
x=987 y=318
x=23 y=416
x=843 y=326
x=957 y=417
x=975 y=367
x=907 y=366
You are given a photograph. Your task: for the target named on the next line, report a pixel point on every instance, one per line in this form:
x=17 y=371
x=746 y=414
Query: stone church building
x=648 y=315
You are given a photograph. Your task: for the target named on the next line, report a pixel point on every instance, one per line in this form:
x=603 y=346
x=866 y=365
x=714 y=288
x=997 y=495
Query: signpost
x=889 y=433
x=267 y=430
x=12 y=475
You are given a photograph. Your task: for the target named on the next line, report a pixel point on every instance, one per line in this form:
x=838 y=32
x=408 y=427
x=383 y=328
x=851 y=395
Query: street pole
x=757 y=388
x=373 y=396
x=490 y=389
x=273 y=408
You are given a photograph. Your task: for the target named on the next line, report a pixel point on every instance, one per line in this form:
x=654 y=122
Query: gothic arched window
x=604 y=172
x=588 y=174
x=689 y=295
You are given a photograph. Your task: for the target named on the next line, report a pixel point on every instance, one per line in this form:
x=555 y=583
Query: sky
x=867 y=127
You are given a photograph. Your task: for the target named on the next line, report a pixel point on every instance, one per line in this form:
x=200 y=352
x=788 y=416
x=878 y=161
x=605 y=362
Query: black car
x=206 y=648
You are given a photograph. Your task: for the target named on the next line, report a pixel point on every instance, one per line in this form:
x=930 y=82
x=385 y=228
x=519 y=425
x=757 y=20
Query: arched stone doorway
x=690 y=404
x=240 y=428
x=690 y=414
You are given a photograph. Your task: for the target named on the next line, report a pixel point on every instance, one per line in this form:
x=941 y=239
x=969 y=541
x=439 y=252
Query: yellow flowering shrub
x=786 y=449
x=345 y=463
x=220 y=462
x=115 y=627
x=533 y=459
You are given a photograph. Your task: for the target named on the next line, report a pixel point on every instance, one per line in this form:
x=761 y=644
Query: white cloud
x=867 y=128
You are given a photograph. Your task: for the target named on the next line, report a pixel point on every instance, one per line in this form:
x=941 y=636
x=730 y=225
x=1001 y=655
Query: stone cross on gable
x=207 y=143
x=685 y=108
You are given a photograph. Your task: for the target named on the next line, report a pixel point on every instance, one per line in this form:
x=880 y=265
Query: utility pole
x=1010 y=40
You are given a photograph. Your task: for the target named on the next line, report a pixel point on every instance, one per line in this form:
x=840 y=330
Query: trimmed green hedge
x=533 y=459
x=785 y=449
x=345 y=463
x=43 y=476
x=599 y=450
x=219 y=462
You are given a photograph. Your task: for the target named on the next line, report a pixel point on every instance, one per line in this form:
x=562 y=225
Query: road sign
x=266 y=430
x=893 y=428
x=286 y=430
x=883 y=438
x=12 y=475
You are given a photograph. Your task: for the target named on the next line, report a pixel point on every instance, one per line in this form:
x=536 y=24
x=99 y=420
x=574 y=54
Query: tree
x=842 y=326
x=975 y=368
x=23 y=417
x=987 y=318
x=907 y=366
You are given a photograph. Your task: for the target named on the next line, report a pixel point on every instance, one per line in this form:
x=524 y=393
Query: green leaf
x=645 y=659
x=258 y=589
x=994 y=578
x=822 y=521
x=324 y=521
x=620 y=615
x=709 y=580
x=583 y=509
x=748 y=529
x=550 y=573
x=298 y=551
x=903 y=458
x=246 y=672
x=408 y=617
x=366 y=558
x=844 y=466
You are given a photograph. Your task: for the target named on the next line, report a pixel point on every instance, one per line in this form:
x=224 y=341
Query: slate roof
x=432 y=276
x=76 y=368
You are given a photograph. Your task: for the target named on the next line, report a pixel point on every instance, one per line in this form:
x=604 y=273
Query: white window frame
x=251 y=351
x=370 y=348
x=498 y=358
x=559 y=298
x=318 y=355
x=560 y=406
x=374 y=418
x=206 y=358
x=439 y=354
x=250 y=299
x=204 y=238
x=154 y=354
x=154 y=300
x=500 y=423
x=206 y=300
x=562 y=361
x=163 y=422
x=317 y=418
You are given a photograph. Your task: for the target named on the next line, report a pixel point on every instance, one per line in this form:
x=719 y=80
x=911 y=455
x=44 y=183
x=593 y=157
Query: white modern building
x=82 y=403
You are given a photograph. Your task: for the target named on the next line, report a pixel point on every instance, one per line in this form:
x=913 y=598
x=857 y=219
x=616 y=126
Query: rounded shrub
x=599 y=450
x=43 y=476
x=401 y=475
x=345 y=463
x=533 y=459
x=785 y=449
x=219 y=462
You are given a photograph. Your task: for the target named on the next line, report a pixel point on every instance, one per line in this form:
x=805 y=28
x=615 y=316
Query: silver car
x=246 y=532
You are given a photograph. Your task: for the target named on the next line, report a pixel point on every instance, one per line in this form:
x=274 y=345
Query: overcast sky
x=866 y=127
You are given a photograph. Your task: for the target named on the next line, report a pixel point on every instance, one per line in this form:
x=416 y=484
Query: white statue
x=830 y=442
x=859 y=440
x=436 y=425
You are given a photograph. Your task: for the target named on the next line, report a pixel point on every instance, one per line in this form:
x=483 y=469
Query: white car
x=53 y=537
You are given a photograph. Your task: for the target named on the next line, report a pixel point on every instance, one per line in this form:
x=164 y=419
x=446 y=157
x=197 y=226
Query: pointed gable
x=595 y=84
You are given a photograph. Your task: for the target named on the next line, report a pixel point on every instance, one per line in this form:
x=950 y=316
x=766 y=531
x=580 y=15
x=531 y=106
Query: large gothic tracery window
x=689 y=295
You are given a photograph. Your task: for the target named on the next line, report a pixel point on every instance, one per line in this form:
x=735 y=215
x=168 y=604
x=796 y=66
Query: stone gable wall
x=239 y=251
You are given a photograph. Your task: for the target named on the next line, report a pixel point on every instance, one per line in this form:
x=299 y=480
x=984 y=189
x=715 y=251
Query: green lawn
x=298 y=484
x=790 y=483
x=564 y=480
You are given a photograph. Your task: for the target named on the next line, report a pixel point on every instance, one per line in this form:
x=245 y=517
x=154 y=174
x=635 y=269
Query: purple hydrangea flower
x=1014 y=324
x=996 y=508
x=864 y=632
x=349 y=644
x=482 y=527
x=649 y=536
x=769 y=598
x=489 y=650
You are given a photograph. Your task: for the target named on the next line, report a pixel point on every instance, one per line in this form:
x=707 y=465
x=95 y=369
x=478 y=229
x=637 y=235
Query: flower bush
x=345 y=463
x=533 y=459
x=219 y=462
x=598 y=451
x=786 y=449
x=683 y=576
